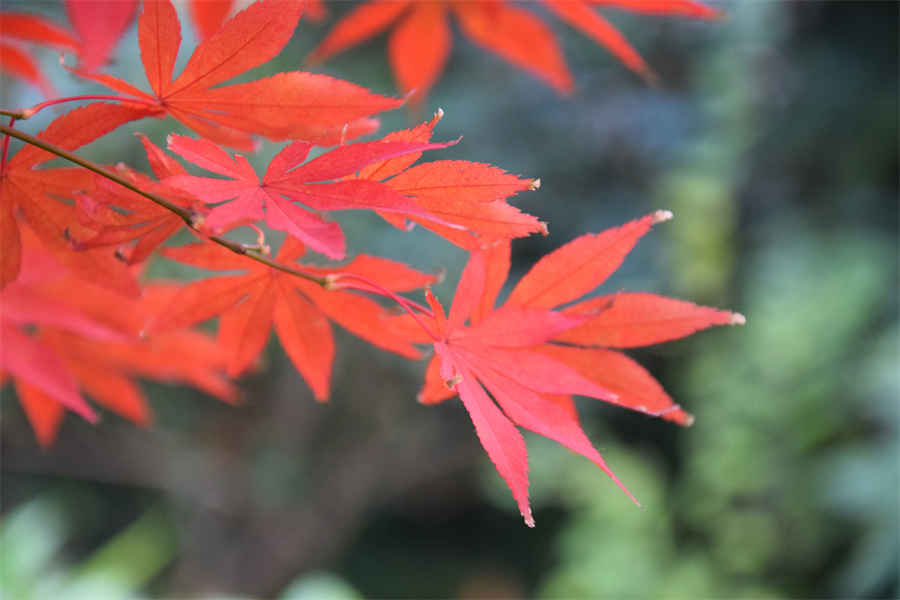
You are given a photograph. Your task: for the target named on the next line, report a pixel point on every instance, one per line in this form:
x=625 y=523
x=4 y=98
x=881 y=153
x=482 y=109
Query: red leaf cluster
x=420 y=41
x=78 y=321
x=63 y=336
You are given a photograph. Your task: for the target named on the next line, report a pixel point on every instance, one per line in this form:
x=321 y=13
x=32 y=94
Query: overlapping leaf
x=289 y=180
x=100 y=26
x=514 y=352
x=33 y=194
x=470 y=195
x=291 y=105
x=63 y=337
x=114 y=215
x=250 y=304
x=15 y=60
x=420 y=41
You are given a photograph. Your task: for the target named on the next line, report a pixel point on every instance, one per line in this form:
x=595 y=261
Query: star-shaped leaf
x=250 y=304
x=514 y=352
x=290 y=105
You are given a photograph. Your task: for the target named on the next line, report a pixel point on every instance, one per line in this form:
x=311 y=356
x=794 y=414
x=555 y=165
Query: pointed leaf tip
x=737 y=319
x=535 y=183
x=661 y=216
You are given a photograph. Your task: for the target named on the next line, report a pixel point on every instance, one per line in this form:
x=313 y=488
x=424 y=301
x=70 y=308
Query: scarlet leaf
x=30 y=28
x=29 y=360
x=638 y=319
x=435 y=389
x=516 y=327
x=250 y=304
x=470 y=196
x=306 y=337
x=635 y=387
x=100 y=26
x=286 y=179
x=419 y=47
x=581 y=265
x=18 y=63
x=34 y=193
x=361 y=23
x=508 y=350
x=290 y=105
x=62 y=336
x=544 y=417
x=501 y=440
x=519 y=37
x=11 y=254
x=468 y=182
x=579 y=15
x=117 y=216
x=420 y=40
x=497 y=262
x=43 y=412
x=208 y=15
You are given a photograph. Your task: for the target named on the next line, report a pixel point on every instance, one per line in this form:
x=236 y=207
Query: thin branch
x=12 y=121
x=189 y=217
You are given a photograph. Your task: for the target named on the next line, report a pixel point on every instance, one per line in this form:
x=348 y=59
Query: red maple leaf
x=62 y=336
x=420 y=41
x=514 y=352
x=292 y=105
x=208 y=15
x=472 y=196
x=33 y=194
x=100 y=26
x=15 y=61
x=115 y=215
x=288 y=180
x=250 y=304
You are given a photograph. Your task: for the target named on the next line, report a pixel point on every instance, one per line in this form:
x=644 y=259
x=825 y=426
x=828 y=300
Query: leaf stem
x=367 y=285
x=189 y=217
x=26 y=113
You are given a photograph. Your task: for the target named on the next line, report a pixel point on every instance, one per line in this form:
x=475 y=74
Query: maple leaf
x=514 y=351
x=117 y=216
x=288 y=181
x=420 y=41
x=249 y=305
x=470 y=195
x=16 y=61
x=291 y=105
x=208 y=15
x=579 y=15
x=63 y=337
x=100 y=26
x=32 y=194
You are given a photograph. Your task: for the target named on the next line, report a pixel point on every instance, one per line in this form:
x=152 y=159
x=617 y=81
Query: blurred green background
x=772 y=136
